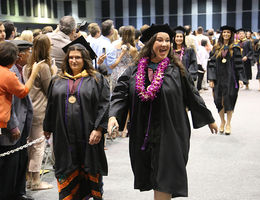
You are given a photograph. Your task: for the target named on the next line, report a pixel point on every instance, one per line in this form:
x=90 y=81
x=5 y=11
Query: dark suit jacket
x=21 y=115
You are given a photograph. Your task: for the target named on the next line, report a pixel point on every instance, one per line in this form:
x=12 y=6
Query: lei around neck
x=156 y=84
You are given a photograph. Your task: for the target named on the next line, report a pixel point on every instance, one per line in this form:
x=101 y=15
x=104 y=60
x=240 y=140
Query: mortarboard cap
x=241 y=30
x=81 y=40
x=156 y=28
x=226 y=27
x=179 y=29
x=22 y=44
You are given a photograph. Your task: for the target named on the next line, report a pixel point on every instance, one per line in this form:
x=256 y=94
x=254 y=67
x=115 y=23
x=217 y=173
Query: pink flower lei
x=151 y=91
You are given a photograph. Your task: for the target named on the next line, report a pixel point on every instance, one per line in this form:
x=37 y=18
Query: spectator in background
x=138 y=43
x=9 y=30
x=47 y=29
x=37 y=32
x=190 y=39
x=64 y=35
x=114 y=37
x=200 y=35
x=94 y=31
x=2 y=32
x=202 y=60
x=38 y=95
x=26 y=35
x=13 y=171
x=211 y=36
x=103 y=47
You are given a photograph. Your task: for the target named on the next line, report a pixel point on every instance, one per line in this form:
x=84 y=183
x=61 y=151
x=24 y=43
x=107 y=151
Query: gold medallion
x=72 y=99
x=224 y=60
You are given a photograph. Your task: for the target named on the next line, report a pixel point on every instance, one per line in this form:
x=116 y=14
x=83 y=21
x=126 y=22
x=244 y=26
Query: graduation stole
x=180 y=55
x=156 y=84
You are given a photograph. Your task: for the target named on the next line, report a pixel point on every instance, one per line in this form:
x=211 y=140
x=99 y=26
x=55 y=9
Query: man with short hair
x=104 y=45
x=2 y=32
x=9 y=30
x=59 y=39
x=13 y=167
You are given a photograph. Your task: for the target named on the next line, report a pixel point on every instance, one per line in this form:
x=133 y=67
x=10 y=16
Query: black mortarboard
x=81 y=40
x=241 y=30
x=156 y=28
x=22 y=44
x=179 y=29
x=226 y=27
x=82 y=26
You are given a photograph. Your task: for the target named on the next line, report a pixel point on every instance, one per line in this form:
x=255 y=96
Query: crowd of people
x=79 y=84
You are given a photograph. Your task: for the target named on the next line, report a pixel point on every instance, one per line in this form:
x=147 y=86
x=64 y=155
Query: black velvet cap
x=156 y=28
x=179 y=29
x=22 y=44
x=241 y=29
x=81 y=40
x=226 y=27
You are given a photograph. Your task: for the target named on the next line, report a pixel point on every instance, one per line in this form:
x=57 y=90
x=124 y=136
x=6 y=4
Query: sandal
x=41 y=186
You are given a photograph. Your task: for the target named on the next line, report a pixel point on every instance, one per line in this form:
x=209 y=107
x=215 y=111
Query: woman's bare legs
x=228 y=126
x=161 y=195
x=223 y=122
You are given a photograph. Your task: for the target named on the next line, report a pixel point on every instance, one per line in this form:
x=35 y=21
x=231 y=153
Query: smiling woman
x=76 y=114
x=157 y=91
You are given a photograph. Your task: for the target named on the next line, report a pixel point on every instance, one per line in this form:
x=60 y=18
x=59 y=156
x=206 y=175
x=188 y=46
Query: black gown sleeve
x=238 y=64
x=103 y=104
x=49 y=121
x=193 y=66
x=200 y=114
x=211 y=67
x=120 y=98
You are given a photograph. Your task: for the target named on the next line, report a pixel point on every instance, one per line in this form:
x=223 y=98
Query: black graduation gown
x=71 y=131
x=226 y=77
x=162 y=165
x=256 y=55
x=248 y=52
x=189 y=60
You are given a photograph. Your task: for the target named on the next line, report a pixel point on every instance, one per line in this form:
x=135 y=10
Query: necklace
x=181 y=54
x=156 y=84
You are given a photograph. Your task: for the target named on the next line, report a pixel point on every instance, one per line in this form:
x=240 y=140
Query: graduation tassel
x=147 y=130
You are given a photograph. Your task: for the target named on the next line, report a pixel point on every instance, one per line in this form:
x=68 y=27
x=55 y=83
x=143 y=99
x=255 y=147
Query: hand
x=213 y=127
x=112 y=122
x=211 y=84
x=95 y=137
x=101 y=59
x=244 y=58
x=47 y=135
x=241 y=84
x=15 y=135
x=36 y=67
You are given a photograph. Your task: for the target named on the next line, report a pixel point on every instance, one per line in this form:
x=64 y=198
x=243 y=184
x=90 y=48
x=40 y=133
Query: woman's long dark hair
x=86 y=59
x=147 y=51
x=220 y=45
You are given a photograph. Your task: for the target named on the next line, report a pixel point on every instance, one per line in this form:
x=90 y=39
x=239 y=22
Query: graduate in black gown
x=225 y=75
x=157 y=91
x=76 y=114
x=186 y=55
x=247 y=54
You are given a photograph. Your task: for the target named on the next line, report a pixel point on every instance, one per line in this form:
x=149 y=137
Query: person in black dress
x=225 y=75
x=247 y=54
x=77 y=114
x=157 y=91
x=186 y=55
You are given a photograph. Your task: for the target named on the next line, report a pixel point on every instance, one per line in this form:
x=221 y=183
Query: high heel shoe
x=228 y=130
x=221 y=127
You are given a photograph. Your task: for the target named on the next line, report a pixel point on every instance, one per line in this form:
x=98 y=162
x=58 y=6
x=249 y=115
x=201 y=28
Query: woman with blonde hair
x=126 y=53
x=26 y=35
x=38 y=95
